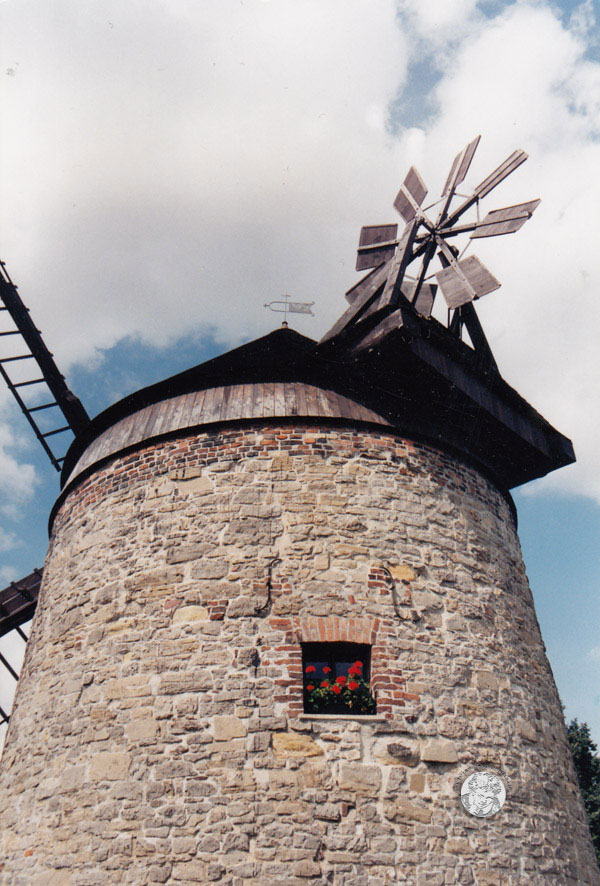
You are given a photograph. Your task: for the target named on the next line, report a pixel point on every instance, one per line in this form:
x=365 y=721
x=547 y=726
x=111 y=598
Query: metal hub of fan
x=389 y=286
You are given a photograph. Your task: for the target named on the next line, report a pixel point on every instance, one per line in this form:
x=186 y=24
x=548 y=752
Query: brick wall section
x=157 y=733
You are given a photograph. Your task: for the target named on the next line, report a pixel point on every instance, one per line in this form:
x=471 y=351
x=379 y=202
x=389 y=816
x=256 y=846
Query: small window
x=337 y=678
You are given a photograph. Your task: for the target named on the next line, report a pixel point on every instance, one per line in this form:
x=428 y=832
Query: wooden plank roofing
x=418 y=380
x=224 y=404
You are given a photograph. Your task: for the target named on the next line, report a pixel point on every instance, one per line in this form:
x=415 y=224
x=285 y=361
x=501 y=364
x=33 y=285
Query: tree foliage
x=587 y=765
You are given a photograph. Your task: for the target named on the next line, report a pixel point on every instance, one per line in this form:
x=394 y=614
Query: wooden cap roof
x=423 y=384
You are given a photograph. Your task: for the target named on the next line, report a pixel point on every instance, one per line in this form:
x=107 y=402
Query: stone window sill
x=364 y=718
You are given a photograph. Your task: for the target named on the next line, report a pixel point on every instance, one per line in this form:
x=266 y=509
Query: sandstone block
x=185 y=553
x=195 y=486
x=214 y=567
x=109 y=765
x=404 y=810
x=141 y=729
x=403 y=753
x=439 y=750
x=186 y=614
x=402 y=573
x=135 y=686
x=52 y=878
x=458 y=846
x=189 y=870
x=226 y=728
x=416 y=782
x=242 y=607
x=292 y=744
x=72 y=778
x=486 y=680
x=488 y=878
x=307 y=868
x=360 y=778
x=526 y=730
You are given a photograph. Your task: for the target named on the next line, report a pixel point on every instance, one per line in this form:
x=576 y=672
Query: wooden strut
x=70 y=406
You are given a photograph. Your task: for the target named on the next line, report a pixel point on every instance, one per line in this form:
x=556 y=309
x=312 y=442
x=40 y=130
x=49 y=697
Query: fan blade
x=505 y=221
x=498 y=175
x=411 y=195
x=465 y=280
x=460 y=166
x=493 y=180
x=372 y=234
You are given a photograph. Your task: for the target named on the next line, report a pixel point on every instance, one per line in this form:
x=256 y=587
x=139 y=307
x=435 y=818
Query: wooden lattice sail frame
x=379 y=302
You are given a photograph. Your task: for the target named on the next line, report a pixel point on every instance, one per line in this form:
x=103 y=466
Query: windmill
x=58 y=417
x=386 y=297
x=395 y=296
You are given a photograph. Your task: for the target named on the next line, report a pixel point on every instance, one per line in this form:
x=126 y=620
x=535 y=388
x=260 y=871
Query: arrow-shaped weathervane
x=290 y=307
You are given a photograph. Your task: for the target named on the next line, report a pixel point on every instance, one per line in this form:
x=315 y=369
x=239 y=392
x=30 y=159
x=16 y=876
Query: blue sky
x=170 y=167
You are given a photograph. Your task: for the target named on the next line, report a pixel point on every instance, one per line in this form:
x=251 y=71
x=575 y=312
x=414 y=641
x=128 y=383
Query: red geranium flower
x=340 y=680
x=310 y=688
x=310 y=670
x=324 y=684
x=353 y=671
x=358 y=664
x=352 y=685
x=337 y=689
x=326 y=670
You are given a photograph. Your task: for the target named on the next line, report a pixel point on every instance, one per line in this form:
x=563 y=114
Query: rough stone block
x=402 y=573
x=141 y=729
x=416 y=782
x=439 y=750
x=242 y=607
x=307 y=868
x=486 y=680
x=189 y=870
x=360 y=778
x=526 y=730
x=292 y=744
x=136 y=686
x=109 y=765
x=404 y=810
x=405 y=754
x=186 y=614
x=458 y=846
x=214 y=567
x=226 y=728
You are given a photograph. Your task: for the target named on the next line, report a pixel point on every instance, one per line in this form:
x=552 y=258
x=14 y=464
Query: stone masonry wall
x=158 y=735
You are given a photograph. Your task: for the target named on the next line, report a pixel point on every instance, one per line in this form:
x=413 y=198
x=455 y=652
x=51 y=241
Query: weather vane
x=290 y=307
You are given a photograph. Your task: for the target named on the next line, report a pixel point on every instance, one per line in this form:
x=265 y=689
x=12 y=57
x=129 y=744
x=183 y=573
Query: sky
x=167 y=167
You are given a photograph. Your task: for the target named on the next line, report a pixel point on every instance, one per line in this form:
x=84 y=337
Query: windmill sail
x=505 y=221
x=460 y=166
x=411 y=195
x=466 y=280
x=370 y=235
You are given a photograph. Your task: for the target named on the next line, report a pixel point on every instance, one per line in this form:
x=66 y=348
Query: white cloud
x=523 y=81
x=174 y=168
x=438 y=20
x=17 y=483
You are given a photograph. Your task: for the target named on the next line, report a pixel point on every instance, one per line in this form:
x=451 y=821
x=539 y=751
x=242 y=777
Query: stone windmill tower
x=284 y=613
